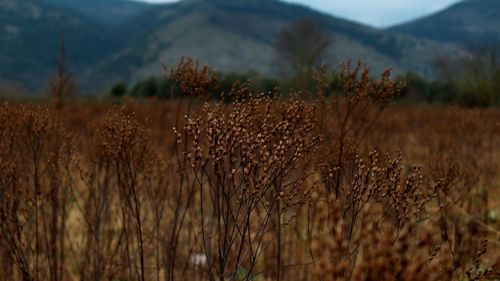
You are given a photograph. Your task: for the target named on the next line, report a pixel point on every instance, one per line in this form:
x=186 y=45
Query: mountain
x=238 y=35
x=470 y=23
x=118 y=40
x=105 y=11
x=29 y=41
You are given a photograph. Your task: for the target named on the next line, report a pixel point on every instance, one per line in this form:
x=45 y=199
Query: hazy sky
x=379 y=13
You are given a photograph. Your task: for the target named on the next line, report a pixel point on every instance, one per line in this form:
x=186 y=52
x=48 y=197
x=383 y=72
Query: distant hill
x=471 y=23
x=29 y=40
x=118 y=40
x=106 y=11
x=238 y=35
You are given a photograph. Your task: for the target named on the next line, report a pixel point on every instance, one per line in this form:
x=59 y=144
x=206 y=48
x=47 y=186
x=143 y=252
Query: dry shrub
x=259 y=188
x=379 y=232
x=247 y=162
x=36 y=157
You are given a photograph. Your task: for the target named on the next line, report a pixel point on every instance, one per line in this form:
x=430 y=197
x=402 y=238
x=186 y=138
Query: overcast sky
x=380 y=13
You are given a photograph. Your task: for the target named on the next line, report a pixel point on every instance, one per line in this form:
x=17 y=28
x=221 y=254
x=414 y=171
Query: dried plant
x=254 y=187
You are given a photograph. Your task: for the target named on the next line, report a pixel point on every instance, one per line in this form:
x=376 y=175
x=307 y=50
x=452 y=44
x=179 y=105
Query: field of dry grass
x=339 y=186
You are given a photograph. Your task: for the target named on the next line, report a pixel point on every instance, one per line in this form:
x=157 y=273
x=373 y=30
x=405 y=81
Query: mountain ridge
x=469 y=23
x=236 y=24
x=30 y=42
x=106 y=11
x=228 y=35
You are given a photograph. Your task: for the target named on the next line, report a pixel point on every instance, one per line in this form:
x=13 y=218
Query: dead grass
x=344 y=187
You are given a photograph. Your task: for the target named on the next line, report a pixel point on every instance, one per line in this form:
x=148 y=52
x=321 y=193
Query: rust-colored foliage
x=261 y=188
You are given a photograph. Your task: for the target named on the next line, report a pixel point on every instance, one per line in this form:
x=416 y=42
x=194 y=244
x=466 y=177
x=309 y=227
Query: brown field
x=337 y=187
